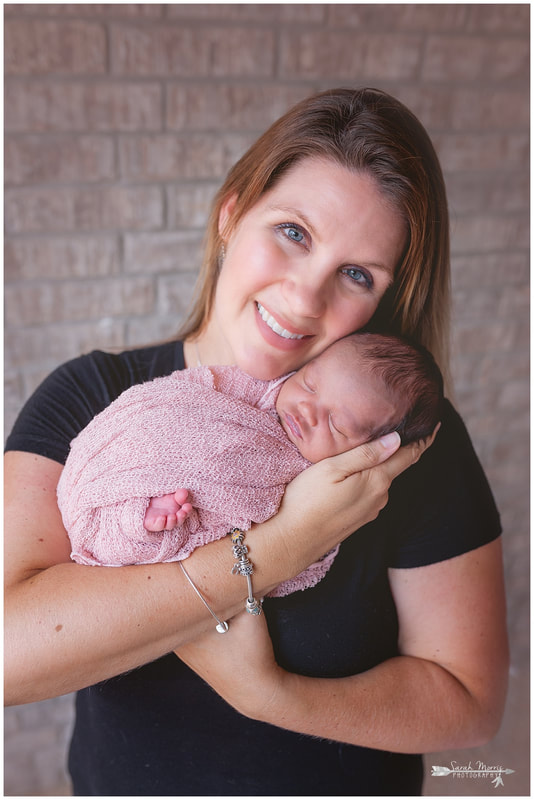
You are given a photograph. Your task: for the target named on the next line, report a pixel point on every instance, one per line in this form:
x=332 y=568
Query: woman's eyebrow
x=390 y=271
x=294 y=212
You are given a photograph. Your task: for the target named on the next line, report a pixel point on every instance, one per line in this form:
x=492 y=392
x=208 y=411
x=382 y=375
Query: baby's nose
x=309 y=412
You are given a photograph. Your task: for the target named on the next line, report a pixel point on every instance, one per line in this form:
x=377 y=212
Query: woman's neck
x=200 y=351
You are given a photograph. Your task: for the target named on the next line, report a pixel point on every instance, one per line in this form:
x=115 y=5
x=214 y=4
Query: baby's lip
x=293 y=425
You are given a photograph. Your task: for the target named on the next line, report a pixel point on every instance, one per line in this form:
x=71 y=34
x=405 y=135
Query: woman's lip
x=293 y=425
x=272 y=337
x=282 y=330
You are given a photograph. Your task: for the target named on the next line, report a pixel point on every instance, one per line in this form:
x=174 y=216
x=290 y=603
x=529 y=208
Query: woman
x=334 y=220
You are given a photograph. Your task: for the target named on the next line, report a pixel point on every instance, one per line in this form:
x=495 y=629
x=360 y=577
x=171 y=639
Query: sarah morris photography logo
x=480 y=770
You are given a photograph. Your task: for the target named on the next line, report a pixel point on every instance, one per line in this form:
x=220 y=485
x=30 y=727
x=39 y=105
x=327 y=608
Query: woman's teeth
x=274 y=326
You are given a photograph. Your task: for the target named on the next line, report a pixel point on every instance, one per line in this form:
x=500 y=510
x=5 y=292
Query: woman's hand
x=239 y=665
x=337 y=496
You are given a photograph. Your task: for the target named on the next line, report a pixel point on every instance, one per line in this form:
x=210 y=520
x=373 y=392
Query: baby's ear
x=226 y=213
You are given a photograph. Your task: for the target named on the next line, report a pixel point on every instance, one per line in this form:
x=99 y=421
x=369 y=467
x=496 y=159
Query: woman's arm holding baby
x=68 y=626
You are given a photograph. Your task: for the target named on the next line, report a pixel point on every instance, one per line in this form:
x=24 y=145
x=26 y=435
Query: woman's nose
x=305 y=296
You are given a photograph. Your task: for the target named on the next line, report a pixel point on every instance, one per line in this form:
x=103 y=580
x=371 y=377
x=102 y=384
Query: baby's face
x=332 y=404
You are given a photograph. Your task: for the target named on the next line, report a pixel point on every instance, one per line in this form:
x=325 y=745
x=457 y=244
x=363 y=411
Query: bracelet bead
x=253 y=606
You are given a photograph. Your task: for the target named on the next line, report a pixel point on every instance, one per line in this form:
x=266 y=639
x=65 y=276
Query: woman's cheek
x=352 y=316
x=274 y=256
x=260 y=260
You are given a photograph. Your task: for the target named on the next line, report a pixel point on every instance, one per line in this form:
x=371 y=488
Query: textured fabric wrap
x=211 y=430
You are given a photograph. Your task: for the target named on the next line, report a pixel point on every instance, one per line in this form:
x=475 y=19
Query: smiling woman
x=335 y=219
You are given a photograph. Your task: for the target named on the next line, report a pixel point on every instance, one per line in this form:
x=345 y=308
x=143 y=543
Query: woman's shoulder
x=131 y=366
x=69 y=398
x=443 y=505
x=452 y=448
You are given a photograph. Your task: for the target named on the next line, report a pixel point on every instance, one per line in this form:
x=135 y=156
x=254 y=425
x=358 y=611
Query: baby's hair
x=411 y=376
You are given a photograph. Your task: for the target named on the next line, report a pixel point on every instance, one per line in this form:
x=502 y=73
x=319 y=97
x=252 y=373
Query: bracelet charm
x=243 y=566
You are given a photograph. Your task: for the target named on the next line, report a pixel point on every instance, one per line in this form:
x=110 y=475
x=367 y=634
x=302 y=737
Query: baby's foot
x=167 y=512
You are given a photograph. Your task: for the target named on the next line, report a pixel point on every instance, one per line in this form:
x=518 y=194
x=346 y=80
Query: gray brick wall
x=120 y=123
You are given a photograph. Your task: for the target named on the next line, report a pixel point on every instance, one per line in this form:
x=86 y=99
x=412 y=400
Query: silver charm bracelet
x=244 y=566
x=221 y=626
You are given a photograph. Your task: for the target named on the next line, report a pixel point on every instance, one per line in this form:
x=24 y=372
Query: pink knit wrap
x=213 y=431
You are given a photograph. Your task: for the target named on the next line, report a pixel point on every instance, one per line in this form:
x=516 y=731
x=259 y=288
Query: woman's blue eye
x=293 y=233
x=359 y=276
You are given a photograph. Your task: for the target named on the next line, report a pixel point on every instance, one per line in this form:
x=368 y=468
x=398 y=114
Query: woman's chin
x=267 y=366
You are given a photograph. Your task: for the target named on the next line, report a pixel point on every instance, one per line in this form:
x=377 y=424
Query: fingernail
x=390 y=440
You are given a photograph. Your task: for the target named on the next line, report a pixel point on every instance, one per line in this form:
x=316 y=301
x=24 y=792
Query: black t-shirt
x=160 y=730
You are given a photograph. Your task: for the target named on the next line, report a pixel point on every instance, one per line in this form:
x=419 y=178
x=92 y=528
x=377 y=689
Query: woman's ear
x=226 y=213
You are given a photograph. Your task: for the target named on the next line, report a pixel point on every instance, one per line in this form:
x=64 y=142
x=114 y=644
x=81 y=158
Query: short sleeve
x=442 y=506
x=69 y=398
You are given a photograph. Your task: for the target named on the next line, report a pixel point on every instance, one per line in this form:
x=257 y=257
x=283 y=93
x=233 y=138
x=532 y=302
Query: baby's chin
x=313 y=458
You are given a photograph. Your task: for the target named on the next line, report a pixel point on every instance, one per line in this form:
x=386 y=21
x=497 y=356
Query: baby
x=234 y=442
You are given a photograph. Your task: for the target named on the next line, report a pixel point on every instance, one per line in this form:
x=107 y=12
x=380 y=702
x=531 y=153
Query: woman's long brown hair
x=364 y=130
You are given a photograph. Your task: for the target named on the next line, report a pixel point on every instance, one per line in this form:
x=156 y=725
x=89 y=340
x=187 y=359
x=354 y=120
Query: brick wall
x=122 y=120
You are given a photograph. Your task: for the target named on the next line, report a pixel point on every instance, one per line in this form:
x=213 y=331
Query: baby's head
x=360 y=388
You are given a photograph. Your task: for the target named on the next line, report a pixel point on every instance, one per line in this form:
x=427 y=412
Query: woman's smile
x=276 y=333
x=275 y=326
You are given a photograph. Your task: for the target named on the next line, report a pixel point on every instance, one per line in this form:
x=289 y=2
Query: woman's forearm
x=69 y=626
x=406 y=705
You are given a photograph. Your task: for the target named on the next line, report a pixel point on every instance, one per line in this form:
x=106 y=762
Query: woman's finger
x=386 y=451
x=365 y=455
